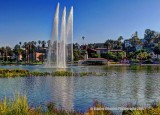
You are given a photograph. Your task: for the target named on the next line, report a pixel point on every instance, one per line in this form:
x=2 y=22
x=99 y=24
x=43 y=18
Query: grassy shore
x=19 y=106
x=132 y=67
x=25 y=73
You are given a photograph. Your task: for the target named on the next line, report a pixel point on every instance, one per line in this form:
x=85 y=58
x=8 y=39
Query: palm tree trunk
x=3 y=57
x=42 y=58
x=25 y=56
x=29 y=55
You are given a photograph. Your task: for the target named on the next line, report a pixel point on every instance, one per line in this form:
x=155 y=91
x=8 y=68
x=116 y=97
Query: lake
x=119 y=86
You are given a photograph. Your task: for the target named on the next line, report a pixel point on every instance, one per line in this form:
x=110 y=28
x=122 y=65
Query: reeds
x=19 y=106
x=16 y=106
x=25 y=73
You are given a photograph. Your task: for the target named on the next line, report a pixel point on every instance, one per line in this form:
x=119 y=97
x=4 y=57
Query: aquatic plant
x=98 y=108
x=18 y=105
x=86 y=73
x=62 y=73
x=13 y=72
x=22 y=73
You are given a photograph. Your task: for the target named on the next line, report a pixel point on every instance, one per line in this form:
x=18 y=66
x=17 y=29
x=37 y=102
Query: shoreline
x=87 y=65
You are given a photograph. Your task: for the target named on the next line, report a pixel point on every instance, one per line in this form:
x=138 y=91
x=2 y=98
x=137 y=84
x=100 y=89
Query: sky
x=97 y=20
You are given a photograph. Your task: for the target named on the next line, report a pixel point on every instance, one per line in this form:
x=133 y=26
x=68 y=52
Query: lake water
x=118 y=87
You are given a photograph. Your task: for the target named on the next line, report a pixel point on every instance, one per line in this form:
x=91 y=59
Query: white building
x=138 y=47
x=127 y=43
x=154 y=56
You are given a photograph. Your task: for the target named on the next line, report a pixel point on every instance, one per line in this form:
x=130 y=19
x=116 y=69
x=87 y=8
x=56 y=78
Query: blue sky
x=97 y=20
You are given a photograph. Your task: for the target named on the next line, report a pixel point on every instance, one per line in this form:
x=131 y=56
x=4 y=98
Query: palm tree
x=20 y=43
x=39 y=42
x=9 y=52
x=2 y=50
x=49 y=42
x=118 y=43
x=26 y=52
x=120 y=38
x=29 y=45
x=43 y=46
x=17 y=51
x=83 y=39
x=109 y=44
x=33 y=50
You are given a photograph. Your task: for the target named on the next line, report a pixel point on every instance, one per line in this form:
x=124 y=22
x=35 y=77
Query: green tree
x=2 y=50
x=120 y=38
x=9 y=52
x=43 y=50
x=143 y=56
x=77 y=55
x=120 y=55
x=135 y=39
x=20 y=43
x=83 y=39
x=108 y=55
x=118 y=43
x=150 y=35
x=109 y=44
x=25 y=54
x=17 y=50
x=39 y=42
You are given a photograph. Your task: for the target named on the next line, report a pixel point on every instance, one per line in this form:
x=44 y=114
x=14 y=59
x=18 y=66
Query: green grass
x=13 y=73
x=25 y=73
x=19 y=106
x=134 y=67
x=153 y=110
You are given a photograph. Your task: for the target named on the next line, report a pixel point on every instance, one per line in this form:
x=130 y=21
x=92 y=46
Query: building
x=99 y=45
x=93 y=61
x=90 y=51
x=101 y=50
x=138 y=47
x=125 y=61
x=127 y=43
x=39 y=56
x=20 y=57
x=154 y=56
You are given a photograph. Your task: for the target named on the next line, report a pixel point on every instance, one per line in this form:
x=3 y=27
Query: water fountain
x=60 y=51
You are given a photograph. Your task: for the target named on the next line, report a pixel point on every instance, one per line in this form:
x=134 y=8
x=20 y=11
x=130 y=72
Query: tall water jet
x=62 y=45
x=52 y=57
x=61 y=52
x=70 y=37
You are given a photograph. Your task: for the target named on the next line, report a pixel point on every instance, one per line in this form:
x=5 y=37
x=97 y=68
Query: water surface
x=119 y=86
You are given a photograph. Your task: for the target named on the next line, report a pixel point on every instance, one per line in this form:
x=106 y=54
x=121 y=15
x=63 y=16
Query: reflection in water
x=63 y=92
x=118 y=87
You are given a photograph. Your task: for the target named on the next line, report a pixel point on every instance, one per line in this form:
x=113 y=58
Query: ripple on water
x=116 y=88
